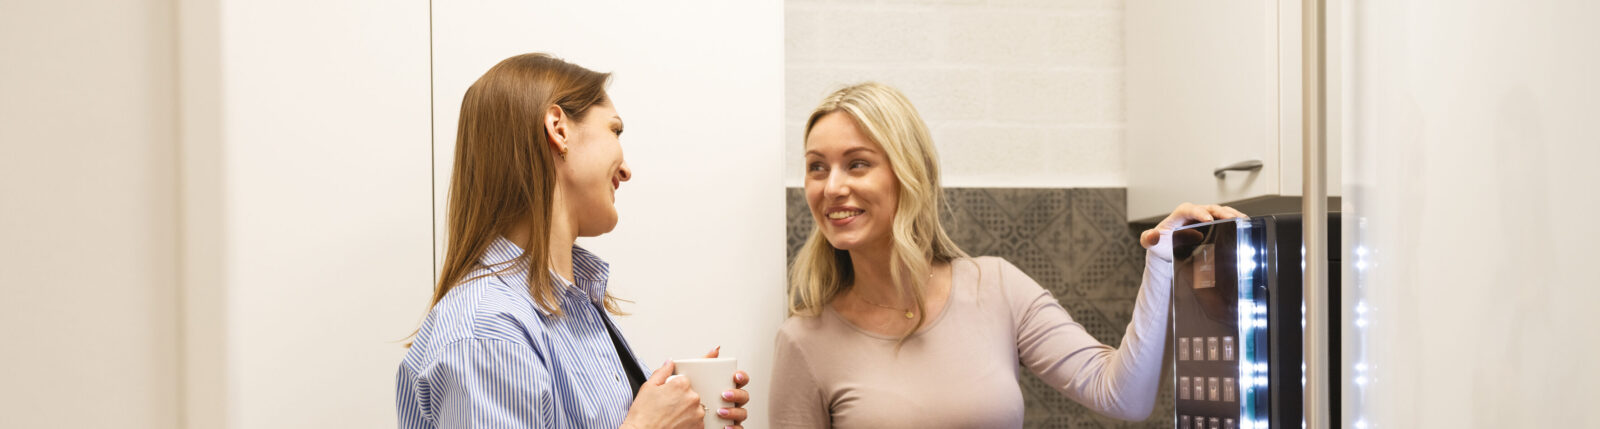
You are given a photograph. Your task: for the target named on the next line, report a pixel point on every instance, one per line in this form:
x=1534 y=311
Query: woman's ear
x=555 y=129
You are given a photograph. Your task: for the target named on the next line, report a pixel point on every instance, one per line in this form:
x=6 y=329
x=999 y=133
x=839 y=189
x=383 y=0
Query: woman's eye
x=859 y=164
x=815 y=166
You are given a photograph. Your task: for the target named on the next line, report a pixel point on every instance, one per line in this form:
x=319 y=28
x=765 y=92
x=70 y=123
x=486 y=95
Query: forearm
x=1125 y=381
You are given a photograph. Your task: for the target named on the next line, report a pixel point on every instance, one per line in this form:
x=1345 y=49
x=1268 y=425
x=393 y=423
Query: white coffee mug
x=709 y=377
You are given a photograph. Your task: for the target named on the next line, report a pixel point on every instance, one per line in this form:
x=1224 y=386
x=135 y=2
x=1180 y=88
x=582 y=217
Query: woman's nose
x=836 y=186
x=627 y=173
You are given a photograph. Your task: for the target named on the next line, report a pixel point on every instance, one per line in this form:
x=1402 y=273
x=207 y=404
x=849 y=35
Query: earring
x=561 y=150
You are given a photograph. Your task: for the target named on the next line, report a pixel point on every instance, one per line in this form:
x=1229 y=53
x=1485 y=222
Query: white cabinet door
x=1210 y=84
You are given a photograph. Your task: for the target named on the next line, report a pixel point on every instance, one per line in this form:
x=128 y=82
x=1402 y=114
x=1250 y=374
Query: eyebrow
x=859 y=149
x=846 y=153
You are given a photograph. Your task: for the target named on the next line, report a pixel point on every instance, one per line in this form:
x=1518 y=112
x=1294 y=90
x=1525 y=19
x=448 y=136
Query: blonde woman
x=892 y=325
x=520 y=332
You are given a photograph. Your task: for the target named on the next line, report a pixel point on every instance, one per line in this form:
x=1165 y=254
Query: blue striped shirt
x=486 y=356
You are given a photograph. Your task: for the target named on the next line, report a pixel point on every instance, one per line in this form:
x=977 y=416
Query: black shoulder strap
x=630 y=365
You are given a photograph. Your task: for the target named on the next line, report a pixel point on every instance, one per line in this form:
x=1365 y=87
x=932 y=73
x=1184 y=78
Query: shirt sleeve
x=1119 y=382
x=487 y=383
x=796 y=399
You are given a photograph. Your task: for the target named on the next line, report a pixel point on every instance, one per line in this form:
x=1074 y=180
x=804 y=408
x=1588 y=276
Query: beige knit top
x=960 y=370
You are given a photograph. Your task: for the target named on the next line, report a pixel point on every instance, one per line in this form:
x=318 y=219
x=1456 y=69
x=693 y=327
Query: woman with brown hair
x=519 y=333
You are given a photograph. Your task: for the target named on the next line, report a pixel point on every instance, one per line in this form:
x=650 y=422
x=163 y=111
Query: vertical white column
x=1469 y=201
x=202 y=301
x=306 y=208
x=88 y=193
x=1315 y=217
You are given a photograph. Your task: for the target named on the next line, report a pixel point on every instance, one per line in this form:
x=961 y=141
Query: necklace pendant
x=910 y=315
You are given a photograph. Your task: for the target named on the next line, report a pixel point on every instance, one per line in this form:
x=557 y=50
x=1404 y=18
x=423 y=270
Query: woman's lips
x=844 y=216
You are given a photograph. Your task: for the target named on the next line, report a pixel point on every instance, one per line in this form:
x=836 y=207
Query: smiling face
x=852 y=191
x=593 y=169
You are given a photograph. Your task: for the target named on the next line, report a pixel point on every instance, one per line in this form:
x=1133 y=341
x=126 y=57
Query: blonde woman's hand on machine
x=665 y=404
x=1185 y=214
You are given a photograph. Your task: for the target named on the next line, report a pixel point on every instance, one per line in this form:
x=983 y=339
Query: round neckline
x=944 y=313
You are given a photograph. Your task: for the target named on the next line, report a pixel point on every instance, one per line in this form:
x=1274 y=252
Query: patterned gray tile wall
x=1074 y=242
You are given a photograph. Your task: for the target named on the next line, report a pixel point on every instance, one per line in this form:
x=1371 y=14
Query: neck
x=563 y=234
x=872 y=279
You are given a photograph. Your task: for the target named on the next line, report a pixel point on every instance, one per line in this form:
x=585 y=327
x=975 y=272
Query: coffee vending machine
x=1237 y=323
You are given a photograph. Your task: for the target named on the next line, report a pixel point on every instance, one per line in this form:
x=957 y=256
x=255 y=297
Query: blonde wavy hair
x=822 y=272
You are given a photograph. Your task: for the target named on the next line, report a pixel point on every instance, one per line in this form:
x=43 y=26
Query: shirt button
x=616 y=377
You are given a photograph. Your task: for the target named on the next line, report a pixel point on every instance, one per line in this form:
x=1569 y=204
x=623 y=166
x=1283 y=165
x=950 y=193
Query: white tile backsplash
x=1014 y=155
x=1016 y=92
x=940 y=94
x=1050 y=97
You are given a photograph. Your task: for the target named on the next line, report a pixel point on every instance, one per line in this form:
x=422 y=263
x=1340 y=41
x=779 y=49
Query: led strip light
x=1253 y=373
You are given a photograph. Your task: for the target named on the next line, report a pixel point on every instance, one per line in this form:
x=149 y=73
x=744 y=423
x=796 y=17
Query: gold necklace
x=909 y=314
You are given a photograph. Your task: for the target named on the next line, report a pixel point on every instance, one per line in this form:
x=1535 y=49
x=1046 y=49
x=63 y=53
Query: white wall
x=218 y=213
x=88 y=259
x=307 y=208
x=1471 y=189
x=700 y=84
x=1017 y=93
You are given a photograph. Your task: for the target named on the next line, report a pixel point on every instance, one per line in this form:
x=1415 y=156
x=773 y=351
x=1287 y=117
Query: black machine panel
x=1237 y=322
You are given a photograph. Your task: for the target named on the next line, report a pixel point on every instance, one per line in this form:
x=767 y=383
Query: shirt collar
x=590 y=272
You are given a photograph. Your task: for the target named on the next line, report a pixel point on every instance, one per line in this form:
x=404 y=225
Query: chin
x=859 y=240
x=599 y=227
x=606 y=227
x=843 y=244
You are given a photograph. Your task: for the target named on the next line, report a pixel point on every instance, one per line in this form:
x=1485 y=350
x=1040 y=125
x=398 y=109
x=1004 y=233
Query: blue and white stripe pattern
x=486 y=356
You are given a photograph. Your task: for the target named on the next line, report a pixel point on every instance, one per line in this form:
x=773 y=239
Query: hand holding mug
x=665 y=404
x=737 y=395
x=718 y=383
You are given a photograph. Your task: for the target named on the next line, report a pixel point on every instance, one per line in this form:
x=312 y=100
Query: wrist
x=630 y=423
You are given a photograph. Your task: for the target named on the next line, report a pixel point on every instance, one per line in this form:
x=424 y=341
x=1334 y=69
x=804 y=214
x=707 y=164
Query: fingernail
x=665 y=363
x=722 y=412
x=727 y=395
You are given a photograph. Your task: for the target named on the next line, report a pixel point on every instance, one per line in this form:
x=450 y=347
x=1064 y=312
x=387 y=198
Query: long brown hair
x=505 y=173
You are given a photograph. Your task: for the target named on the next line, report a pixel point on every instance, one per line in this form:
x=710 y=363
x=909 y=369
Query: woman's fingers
x=1183 y=215
x=1149 y=238
x=738 y=397
x=1234 y=213
x=1200 y=214
x=1207 y=213
x=740 y=378
x=735 y=414
x=1186 y=214
x=714 y=352
x=1224 y=212
x=660 y=376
